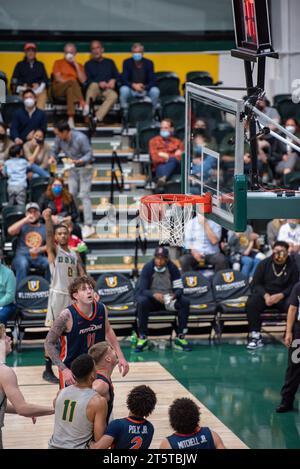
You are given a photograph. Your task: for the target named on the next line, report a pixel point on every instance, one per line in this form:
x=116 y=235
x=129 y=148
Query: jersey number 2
x=91 y=339
x=136 y=442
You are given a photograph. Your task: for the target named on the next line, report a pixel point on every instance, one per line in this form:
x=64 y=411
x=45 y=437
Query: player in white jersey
x=65 y=265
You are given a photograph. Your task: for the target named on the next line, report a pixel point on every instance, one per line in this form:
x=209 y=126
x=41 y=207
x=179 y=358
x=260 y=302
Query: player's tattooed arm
x=60 y=325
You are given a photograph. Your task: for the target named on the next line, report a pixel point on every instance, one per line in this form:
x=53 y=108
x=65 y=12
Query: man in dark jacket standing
x=273 y=282
x=161 y=288
x=138 y=78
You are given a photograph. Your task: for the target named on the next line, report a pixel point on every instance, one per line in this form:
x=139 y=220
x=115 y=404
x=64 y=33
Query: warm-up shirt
x=265 y=280
x=7 y=286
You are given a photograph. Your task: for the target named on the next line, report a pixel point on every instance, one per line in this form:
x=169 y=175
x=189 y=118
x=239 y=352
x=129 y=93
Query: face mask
x=69 y=56
x=293 y=225
x=29 y=102
x=291 y=128
x=198 y=149
x=2 y=136
x=137 y=56
x=160 y=269
x=39 y=141
x=165 y=133
x=56 y=190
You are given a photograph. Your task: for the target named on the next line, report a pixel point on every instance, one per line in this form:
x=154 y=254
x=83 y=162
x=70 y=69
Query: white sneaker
x=71 y=122
x=87 y=231
x=86 y=110
x=255 y=341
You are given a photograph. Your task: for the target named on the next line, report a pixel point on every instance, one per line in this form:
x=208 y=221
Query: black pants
x=189 y=263
x=146 y=305
x=256 y=305
x=292 y=375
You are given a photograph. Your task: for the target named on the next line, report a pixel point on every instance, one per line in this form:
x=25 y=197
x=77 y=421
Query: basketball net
x=171 y=214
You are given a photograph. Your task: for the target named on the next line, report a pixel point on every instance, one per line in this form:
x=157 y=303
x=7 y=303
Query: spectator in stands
x=165 y=152
x=202 y=237
x=290 y=233
x=200 y=124
x=7 y=291
x=15 y=169
x=26 y=121
x=102 y=75
x=37 y=152
x=5 y=144
x=263 y=105
x=272 y=284
x=68 y=76
x=273 y=228
x=202 y=139
x=76 y=146
x=245 y=245
x=290 y=159
x=31 y=243
x=160 y=288
x=61 y=202
x=138 y=78
x=30 y=73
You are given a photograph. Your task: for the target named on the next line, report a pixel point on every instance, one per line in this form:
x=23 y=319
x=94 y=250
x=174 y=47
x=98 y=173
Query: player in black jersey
x=134 y=431
x=78 y=327
x=184 y=418
x=105 y=359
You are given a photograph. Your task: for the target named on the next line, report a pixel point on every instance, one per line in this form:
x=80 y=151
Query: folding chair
x=231 y=290
x=198 y=290
x=31 y=302
x=117 y=293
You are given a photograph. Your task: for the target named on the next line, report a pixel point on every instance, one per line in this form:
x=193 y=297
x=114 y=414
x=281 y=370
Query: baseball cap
x=30 y=45
x=161 y=251
x=32 y=205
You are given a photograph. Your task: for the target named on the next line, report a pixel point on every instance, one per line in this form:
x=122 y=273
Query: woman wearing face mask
x=291 y=159
x=37 y=152
x=5 y=144
x=58 y=198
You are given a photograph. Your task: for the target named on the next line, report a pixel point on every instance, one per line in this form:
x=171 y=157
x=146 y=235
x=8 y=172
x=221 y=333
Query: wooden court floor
x=19 y=432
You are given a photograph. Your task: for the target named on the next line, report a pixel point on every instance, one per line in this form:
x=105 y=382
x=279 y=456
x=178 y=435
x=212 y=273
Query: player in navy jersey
x=184 y=418
x=105 y=359
x=78 y=327
x=134 y=431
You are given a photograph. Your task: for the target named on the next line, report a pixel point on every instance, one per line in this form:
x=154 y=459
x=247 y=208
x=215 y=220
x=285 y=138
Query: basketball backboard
x=214 y=160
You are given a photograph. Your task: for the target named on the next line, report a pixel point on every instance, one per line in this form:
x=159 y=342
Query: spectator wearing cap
x=138 y=78
x=27 y=120
x=68 y=76
x=30 y=73
x=7 y=291
x=102 y=75
x=160 y=288
x=31 y=243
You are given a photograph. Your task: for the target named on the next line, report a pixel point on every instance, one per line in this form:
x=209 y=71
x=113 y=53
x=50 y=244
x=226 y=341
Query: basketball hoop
x=171 y=213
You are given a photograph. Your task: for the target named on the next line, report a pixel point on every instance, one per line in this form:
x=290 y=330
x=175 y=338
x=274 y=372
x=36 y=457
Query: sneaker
x=255 y=341
x=133 y=339
x=141 y=345
x=284 y=408
x=50 y=377
x=71 y=122
x=88 y=231
x=86 y=110
x=182 y=344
